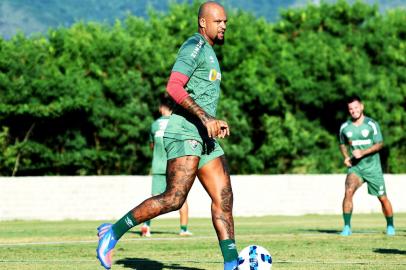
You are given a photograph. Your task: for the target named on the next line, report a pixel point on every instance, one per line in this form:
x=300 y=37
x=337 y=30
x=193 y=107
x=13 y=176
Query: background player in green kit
x=190 y=141
x=364 y=138
x=158 y=169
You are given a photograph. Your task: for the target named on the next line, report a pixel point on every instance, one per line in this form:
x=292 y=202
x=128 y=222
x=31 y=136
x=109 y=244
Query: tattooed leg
x=352 y=183
x=215 y=178
x=180 y=175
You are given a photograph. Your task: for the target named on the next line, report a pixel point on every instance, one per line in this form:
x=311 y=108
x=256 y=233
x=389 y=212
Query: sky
x=33 y=16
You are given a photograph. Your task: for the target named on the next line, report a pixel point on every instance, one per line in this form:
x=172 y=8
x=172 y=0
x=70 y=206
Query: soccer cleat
x=185 y=233
x=390 y=230
x=107 y=242
x=145 y=231
x=346 y=231
x=233 y=265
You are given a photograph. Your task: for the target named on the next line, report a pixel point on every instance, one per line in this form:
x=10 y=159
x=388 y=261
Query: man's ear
x=202 y=23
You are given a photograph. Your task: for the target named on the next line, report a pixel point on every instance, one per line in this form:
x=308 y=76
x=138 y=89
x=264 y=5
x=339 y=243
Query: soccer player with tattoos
x=364 y=138
x=190 y=141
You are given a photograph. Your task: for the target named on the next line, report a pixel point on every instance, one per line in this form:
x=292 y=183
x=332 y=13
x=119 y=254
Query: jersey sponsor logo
x=365 y=132
x=214 y=75
x=197 y=48
x=361 y=142
x=349 y=134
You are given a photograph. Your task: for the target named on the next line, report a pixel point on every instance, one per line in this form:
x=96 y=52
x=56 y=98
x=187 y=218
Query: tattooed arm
x=175 y=88
x=215 y=127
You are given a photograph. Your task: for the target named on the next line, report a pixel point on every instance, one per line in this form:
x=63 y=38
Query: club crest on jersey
x=214 y=75
x=365 y=132
x=193 y=144
x=349 y=134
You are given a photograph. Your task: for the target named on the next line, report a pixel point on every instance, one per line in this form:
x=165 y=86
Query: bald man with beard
x=190 y=140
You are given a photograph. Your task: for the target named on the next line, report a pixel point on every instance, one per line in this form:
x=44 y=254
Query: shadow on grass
x=154 y=232
x=329 y=231
x=390 y=251
x=323 y=231
x=146 y=264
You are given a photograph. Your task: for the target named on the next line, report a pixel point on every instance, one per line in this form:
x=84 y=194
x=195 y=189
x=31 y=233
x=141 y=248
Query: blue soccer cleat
x=346 y=231
x=107 y=242
x=233 y=265
x=390 y=230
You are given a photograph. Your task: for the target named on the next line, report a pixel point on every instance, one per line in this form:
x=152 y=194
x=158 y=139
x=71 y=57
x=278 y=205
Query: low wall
x=109 y=197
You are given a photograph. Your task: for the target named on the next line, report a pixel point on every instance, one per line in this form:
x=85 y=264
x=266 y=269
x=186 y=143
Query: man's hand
x=212 y=125
x=358 y=153
x=347 y=162
x=224 y=129
x=216 y=128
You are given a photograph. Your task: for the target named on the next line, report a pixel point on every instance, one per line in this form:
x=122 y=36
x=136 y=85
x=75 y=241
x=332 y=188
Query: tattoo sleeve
x=190 y=105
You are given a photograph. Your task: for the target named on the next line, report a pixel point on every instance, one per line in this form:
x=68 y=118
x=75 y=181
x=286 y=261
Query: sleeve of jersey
x=377 y=132
x=185 y=65
x=151 y=133
x=341 y=137
x=186 y=61
x=176 y=86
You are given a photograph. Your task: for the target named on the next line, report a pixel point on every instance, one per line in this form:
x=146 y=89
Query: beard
x=219 y=41
x=357 y=116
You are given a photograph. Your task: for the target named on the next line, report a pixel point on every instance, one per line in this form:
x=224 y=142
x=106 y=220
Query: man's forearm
x=191 y=106
x=344 y=151
x=373 y=149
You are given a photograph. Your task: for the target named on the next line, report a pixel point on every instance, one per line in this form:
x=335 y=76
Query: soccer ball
x=254 y=257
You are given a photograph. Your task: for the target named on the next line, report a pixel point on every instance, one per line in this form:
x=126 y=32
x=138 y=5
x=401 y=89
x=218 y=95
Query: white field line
x=95 y=241
x=307 y=262
x=168 y=239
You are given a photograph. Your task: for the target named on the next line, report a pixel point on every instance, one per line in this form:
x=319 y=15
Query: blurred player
x=159 y=159
x=364 y=138
x=190 y=141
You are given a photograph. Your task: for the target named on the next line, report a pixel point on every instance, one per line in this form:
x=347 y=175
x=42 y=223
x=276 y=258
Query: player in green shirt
x=364 y=137
x=190 y=141
x=158 y=168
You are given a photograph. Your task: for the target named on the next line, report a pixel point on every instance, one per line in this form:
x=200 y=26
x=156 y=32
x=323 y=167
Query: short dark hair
x=166 y=100
x=353 y=98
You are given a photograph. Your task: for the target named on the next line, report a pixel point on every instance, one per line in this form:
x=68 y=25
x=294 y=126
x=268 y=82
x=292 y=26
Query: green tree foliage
x=81 y=99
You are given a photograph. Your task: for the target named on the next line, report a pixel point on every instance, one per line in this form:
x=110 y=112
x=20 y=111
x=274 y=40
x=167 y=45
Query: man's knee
x=225 y=201
x=173 y=199
x=349 y=192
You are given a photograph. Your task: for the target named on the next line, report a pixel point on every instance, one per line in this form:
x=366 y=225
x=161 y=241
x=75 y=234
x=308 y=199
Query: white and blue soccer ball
x=254 y=257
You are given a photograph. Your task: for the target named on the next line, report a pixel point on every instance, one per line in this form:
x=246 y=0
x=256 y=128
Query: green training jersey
x=363 y=137
x=156 y=137
x=197 y=60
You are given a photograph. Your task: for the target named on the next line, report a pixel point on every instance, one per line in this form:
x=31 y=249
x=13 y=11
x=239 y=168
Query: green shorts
x=375 y=181
x=158 y=184
x=207 y=151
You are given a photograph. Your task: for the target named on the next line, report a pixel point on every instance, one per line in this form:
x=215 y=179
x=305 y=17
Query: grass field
x=303 y=242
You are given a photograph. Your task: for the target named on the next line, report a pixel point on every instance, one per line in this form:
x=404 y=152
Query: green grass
x=303 y=242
